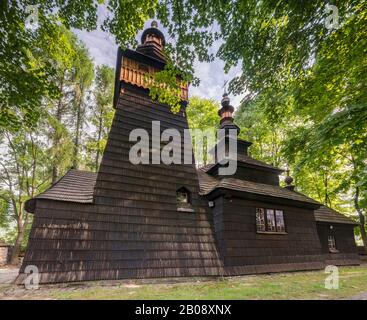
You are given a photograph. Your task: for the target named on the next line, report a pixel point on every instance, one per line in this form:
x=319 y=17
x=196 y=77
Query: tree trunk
x=54 y=174
x=14 y=257
x=362 y=219
x=99 y=138
x=56 y=138
x=77 y=134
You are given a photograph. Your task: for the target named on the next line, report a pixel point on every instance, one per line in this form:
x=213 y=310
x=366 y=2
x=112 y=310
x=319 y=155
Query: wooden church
x=157 y=220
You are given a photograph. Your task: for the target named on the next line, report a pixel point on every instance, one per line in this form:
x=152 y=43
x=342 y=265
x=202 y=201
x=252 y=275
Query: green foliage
x=82 y=78
x=166 y=87
x=305 y=85
x=271 y=41
x=101 y=116
x=202 y=113
x=23 y=174
x=306 y=89
x=26 y=74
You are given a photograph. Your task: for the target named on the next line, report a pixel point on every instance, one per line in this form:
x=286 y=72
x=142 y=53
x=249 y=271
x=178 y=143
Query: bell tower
x=137 y=67
x=165 y=226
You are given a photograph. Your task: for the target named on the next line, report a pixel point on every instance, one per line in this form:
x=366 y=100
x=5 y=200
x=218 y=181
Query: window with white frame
x=270 y=220
x=260 y=219
x=332 y=244
x=279 y=219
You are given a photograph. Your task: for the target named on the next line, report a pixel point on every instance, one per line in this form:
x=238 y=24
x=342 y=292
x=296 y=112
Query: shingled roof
x=246 y=160
x=323 y=214
x=209 y=184
x=78 y=186
x=326 y=214
x=74 y=186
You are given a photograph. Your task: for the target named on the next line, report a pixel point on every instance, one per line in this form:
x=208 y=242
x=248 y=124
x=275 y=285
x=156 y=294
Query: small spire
x=289 y=180
x=226 y=114
x=152 y=42
x=224 y=87
x=225 y=100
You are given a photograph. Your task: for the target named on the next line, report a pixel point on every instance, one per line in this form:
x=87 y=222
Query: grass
x=299 y=285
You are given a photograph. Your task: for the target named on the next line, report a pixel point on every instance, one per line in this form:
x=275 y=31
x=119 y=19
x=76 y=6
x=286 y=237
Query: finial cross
x=224 y=87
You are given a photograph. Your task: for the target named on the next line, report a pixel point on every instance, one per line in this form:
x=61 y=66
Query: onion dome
x=153 y=34
x=289 y=180
x=226 y=114
x=152 y=42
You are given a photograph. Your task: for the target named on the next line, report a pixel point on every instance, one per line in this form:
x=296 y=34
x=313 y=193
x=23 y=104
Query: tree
x=73 y=77
x=23 y=174
x=202 y=114
x=59 y=110
x=333 y=138
x=102 y=114
x=25 y=80
x=25 y=166
x=82 y=79
x=266 y=135
x=309 y=82
x=307 y=75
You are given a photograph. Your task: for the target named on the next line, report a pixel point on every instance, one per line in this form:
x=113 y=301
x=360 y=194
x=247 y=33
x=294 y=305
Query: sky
x=103 y=49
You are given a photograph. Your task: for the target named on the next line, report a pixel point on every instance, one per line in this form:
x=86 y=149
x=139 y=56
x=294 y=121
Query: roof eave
x=326 y=221
x=220 y=190
x=247 y=165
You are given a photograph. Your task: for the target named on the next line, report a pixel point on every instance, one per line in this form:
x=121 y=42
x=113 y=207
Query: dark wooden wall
x=345 y=243
x=133 y=229
x=242 y=247
x=245 y=172
x=343 y=234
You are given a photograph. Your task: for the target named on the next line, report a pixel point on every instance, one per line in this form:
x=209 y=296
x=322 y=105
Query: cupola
x=136 y=68
x=226 y=115
x=152 y=42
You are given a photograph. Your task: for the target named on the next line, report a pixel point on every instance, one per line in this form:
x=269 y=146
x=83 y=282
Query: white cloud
x=101 y=45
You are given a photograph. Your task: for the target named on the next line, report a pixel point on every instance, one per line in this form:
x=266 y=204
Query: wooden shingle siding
x=345 y=244
x=123 y=222
x=242 y=245
x=132 y=229
x=328 y=215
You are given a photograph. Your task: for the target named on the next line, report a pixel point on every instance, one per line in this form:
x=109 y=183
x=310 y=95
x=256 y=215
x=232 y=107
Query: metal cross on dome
x=224 y=87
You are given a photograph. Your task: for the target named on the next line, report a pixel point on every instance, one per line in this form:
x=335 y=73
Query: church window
x=272 y=221
x=183 y=197
x=260 y=219
x=332 y=244
x=279 y=219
